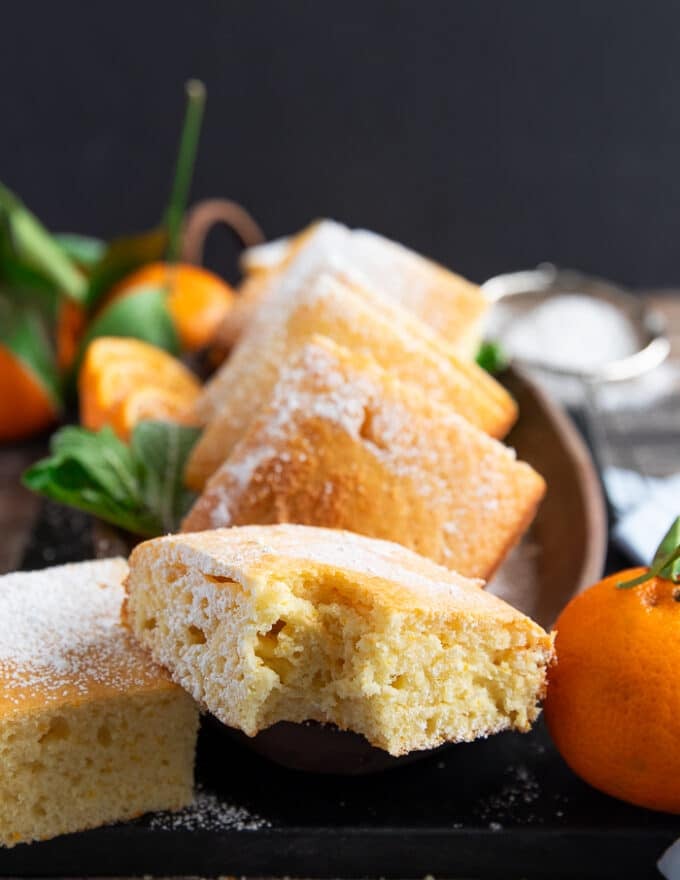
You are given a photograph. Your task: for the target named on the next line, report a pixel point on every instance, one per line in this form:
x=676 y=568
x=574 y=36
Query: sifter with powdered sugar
x=603 y=352
x=567 y=324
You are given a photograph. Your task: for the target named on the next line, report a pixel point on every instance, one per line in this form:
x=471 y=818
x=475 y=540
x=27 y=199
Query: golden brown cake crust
x=342 y=444
x=374 y=570
x=448 y=303
x=353 y=318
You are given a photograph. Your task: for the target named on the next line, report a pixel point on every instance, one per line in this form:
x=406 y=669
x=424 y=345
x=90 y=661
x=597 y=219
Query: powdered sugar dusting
x=267 y=256
x=467 y=480
x=241 y=551
x=208 y=813
x=406 y=277
x=326 y=269
x=387 y=268
x=60 y=633
x=515 y=801
x=313 y=386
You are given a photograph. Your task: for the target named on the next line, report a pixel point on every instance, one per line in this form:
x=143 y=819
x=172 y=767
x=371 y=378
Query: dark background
x=490 y=134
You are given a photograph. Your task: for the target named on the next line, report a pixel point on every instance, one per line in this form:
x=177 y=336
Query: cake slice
x=343 y=444
x=451 y=305
x=91 y=730
x=398 y=341
x=293 y=623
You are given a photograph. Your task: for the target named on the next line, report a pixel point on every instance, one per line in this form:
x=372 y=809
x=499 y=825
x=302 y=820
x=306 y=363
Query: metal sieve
x=516 y=294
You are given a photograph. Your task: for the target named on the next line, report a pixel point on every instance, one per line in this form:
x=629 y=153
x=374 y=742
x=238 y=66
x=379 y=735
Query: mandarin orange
x=26 y=405
x=613 y=702
x=198 y=300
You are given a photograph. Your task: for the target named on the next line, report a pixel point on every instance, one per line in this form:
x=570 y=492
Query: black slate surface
x=506 y=807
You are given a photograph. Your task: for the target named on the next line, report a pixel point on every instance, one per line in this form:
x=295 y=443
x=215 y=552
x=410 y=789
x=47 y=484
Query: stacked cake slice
x=348 y=428
x=356 y=319
x=91 y=730
x=275 y=449
x=448 y=303
x=342 y=443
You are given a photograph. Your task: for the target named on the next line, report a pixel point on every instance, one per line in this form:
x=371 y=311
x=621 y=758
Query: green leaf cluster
x=137 y=487
x=38 y=270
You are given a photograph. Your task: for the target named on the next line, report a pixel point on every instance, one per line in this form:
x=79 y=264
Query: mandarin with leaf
x=26 y=404
x=30 y=394
x=613 y=701
x=197 y=299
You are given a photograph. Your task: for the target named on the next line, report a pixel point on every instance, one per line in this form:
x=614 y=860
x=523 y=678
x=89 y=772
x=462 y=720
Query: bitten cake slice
x=448 y=303
x=292 y=623
x=91 y=730
x=343 y=444
x=352 y=317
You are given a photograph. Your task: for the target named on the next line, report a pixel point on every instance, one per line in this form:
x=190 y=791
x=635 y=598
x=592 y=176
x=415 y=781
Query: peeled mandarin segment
x=113 y=368
x=118 y=377
x=107 y=349
x=108 y=389
x=198 y=300
x=613 y=703
x=26 y=407
x=151 y=403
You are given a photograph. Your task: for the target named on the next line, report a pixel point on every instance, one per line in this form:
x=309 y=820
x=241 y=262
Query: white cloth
x=640 y=530
x=669 y=863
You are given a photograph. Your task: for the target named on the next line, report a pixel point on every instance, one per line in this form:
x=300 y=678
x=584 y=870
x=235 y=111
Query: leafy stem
x=666 y=562
x=184 y=169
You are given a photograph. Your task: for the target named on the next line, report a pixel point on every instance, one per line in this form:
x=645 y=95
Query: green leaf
x=121 y=257
x=668 y=546
x=141 y=314
x=84 y=251
x=107 y=457
x=93 y=472
x=14 y=273
x=137 y=487
x=666 y=562
x=491 y=357
x=22 y=290
x=23 y=332
x=160 y=450
x=29 y=249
